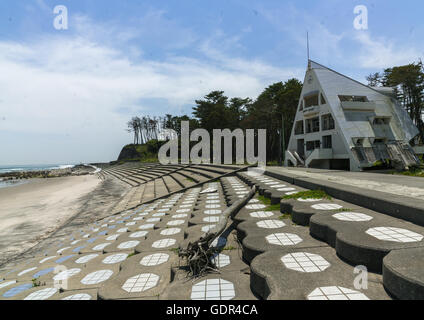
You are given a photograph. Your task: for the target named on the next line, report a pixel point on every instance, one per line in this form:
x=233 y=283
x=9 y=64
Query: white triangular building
x=343 y=124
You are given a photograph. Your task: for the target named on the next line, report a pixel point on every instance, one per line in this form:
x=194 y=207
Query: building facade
x=343 y=124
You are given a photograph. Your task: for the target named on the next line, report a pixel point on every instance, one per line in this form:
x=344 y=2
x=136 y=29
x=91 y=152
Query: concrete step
x=360 y=236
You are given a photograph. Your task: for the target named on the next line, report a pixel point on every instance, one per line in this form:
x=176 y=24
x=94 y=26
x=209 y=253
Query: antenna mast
x=307 y=46
x=307 y=42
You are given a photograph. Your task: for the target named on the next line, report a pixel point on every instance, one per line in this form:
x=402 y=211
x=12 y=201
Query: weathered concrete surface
x=104 y=259
x=288 y=274
x=360 y=237
x=398 y=196
x=403 y=273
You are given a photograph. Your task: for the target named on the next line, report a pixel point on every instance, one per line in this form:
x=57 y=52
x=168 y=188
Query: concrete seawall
x=398 y=206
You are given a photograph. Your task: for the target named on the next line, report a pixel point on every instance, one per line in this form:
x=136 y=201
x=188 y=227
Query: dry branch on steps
x=199 y=254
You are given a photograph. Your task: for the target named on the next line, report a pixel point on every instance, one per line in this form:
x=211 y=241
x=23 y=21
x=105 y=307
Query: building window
x=327 y=122
x=311 y=101
x=380 y=121
x=379 y=141
x=358 y=142
x=322 y=99
x=327 y=142
x=312 y=145
x=353 y=98
x=312 y=125
x=298 y=129
x=301 y=106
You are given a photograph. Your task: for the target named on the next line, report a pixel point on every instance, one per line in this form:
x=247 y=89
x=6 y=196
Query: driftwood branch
x=199 y=253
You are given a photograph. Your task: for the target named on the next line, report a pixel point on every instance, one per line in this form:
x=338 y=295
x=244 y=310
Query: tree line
x=273 y=109
x=146 y=128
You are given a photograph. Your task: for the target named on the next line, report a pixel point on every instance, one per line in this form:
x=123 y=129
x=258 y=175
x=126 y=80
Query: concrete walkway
x=395 y=184
x=399 y=196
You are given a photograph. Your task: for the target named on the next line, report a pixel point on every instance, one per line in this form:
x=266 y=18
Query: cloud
x=378 y=53
x=294 y=23
x=256 y=68
x=43 y=6
x=86 y=89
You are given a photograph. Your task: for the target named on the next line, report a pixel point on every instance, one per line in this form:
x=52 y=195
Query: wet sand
x=31 y=212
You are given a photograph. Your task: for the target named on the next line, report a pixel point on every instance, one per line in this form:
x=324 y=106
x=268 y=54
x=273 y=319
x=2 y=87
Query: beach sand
x=43 y=210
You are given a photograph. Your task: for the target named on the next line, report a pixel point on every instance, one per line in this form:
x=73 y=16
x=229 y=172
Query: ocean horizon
x=33 y=167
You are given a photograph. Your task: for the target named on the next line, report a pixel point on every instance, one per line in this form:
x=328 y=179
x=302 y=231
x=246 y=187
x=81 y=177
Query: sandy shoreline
x=30 y=212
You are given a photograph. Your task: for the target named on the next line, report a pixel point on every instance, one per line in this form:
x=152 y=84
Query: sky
x=66 y=95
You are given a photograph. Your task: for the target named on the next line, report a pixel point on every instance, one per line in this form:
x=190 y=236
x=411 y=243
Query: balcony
x=358 y=105
x=310 y=111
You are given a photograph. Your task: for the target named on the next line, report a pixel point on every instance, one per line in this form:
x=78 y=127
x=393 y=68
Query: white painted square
x=283 y=239
x=42 y=294
x=86 y=258
x=146 y=226
x=128 y=244
x=261 y=214
x=286 y=189
x=170 y=231
x=221 y=260
x=154 y=259
x=394 y=234
x=326 y=206
x=115 y=258
x=211 y=289
x=112 y=237
x=101 y=246
x=97 y=277
x=66 y=274
x=211 y=219
x=352 y=217
x=270 y=224
x=175 y=222
x=305 y=262
x=336 y=293
x=212 y=206
x=179 y=216
x=212 y=211
x=138 y=234
x=309 y=199
x=255 y=206
x=163 y=243
x=78 y=296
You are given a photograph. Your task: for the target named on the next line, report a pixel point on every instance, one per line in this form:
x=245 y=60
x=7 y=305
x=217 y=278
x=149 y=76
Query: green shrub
x=310 y=194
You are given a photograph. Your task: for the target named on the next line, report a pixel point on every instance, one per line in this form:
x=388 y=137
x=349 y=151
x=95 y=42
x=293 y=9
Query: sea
x=31 y=167
x=34 y=167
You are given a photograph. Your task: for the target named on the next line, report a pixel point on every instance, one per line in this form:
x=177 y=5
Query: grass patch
x=264 y=200
x=35 y=283
x=175 y=250
x=149 y=160
x=190 y=179
x=411 y=173
x=130 y=255
x=273 y=163
x=267 y=202
x=229 y=248
x=285 y=216
x=273 y=207
x=310 y=194
x=342 y=210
